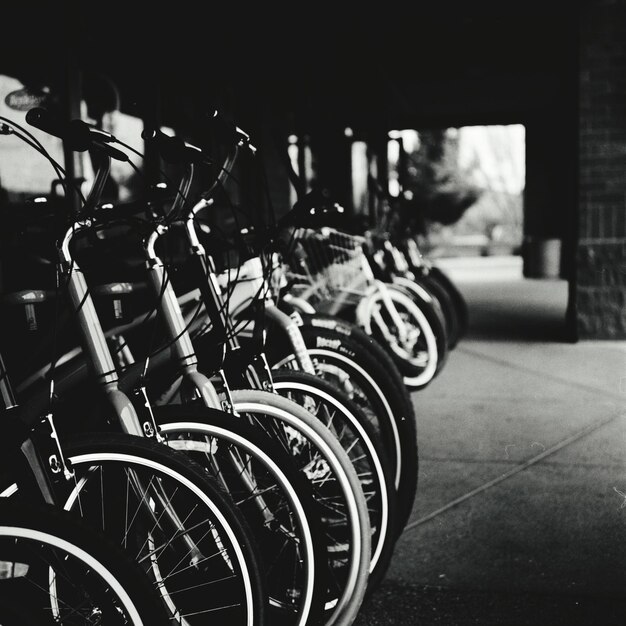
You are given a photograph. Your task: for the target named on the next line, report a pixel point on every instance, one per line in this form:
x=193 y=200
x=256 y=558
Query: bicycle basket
x=326 y=263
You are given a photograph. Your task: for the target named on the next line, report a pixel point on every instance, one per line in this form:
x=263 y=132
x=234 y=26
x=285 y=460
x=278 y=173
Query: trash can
x=542 y=258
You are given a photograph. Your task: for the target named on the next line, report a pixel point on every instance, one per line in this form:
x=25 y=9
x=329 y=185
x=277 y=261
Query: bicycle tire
x=420 y=360
x=451 y=315
x=324 y=462
x=261 y=407
x=437 y=275
x=357 y=436
x=356 y=334
x=288 y=512
x=335 y=345
x=214 y=525
x=54 y=556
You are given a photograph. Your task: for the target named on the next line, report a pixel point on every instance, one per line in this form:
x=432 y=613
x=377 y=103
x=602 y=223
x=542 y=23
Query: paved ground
x=520 y=517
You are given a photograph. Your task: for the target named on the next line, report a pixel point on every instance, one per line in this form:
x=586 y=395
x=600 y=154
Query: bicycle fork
x=102 y=363
x=183 y=349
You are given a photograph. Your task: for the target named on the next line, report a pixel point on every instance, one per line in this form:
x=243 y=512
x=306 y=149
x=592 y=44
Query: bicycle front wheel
x=321 y=459
x=274 y=497
x=174 y=520
x=421 y=350
x=55 y=570
x=359 y=439
x=358 y=366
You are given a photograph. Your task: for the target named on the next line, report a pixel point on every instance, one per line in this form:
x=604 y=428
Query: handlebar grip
x=75 y=133
x=43 y=120
x=81 y=135
x=78 y=135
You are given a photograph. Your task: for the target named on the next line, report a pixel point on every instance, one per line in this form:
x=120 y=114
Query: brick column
x=601 y=253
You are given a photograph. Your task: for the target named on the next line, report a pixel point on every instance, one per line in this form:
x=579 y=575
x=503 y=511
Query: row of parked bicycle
x=199 y=437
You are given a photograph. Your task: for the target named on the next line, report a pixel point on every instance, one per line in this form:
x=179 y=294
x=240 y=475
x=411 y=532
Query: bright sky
x=498 y=153
x=495 y=154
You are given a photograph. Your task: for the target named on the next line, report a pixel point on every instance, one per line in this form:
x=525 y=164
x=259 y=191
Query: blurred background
x=487 y=131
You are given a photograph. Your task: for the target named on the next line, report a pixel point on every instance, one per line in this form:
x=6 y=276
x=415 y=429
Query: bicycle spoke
x=205 y=584
x=219 y=608
x=139 y=505
x=156 y=523
x=178 y=535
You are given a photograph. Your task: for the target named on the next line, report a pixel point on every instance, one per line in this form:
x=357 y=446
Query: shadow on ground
x=431 y=606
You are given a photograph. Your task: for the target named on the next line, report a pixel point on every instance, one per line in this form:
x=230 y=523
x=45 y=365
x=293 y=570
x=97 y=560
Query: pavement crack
x=621 y=493
x=467 y=460
x=515 y=470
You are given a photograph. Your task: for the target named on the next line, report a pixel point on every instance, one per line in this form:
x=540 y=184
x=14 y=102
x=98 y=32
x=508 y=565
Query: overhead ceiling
x=472 y=61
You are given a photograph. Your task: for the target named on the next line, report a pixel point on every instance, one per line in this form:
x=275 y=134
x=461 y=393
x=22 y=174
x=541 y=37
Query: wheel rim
x=318 y=474
x=174 y=576
x=419 y=349
x=184 y=436
x=355 y=451
x=53 y=554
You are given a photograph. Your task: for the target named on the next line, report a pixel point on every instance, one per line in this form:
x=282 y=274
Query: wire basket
x=326 y=264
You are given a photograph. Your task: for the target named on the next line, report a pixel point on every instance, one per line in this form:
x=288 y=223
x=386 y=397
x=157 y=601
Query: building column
x=601 y=250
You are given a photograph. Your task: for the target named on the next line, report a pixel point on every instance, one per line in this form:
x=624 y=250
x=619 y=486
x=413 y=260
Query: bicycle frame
x=97 y=356
x=16 y=432
x=182 y=349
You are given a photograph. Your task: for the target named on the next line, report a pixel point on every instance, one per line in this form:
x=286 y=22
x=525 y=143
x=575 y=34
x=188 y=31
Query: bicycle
x=396 y=254
x=349 y=359
x=267 y=407
x=51 y=566
x=440 y=285
x=343 y=418
x=360 y=544
x=178 y=511
x=330 y=270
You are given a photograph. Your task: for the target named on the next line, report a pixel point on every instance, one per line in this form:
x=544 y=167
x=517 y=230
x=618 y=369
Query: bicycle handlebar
x=78 y=135
x=229 y=132
x=41 y=119
x=175 y=149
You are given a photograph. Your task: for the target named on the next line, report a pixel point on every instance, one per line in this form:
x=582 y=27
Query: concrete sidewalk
x=520 y=516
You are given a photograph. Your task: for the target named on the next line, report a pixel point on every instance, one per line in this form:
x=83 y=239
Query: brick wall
x=601 y=253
